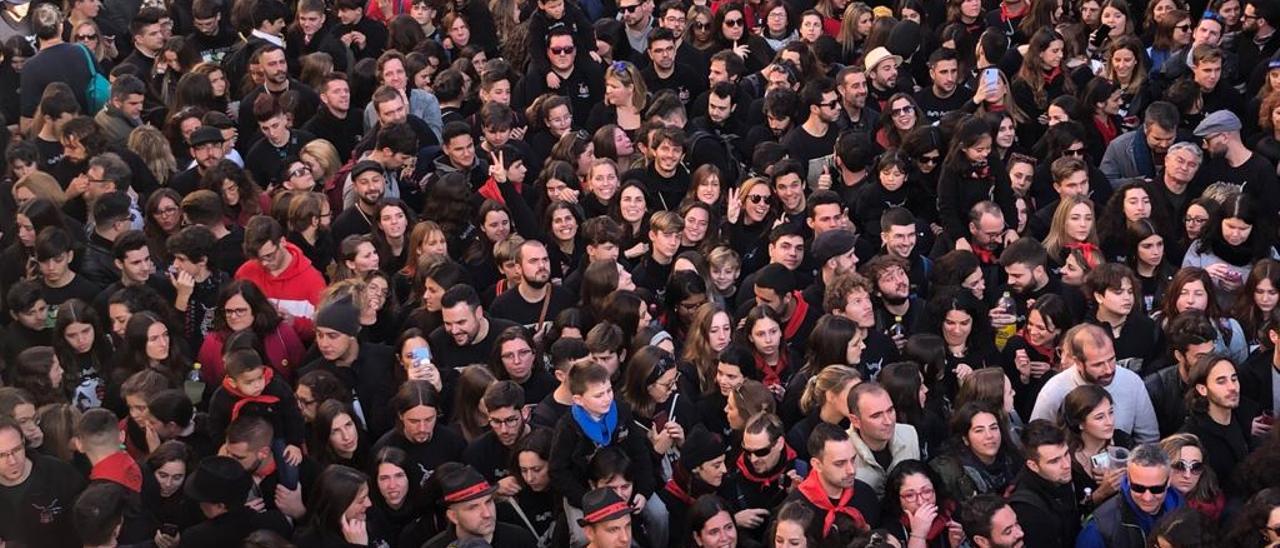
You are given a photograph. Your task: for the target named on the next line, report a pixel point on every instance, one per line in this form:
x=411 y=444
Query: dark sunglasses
x=733 y=22
x=85 y=37
x=1153 y=489
x=904 y=110
x=567 y=50
x=831 y=104
x=757 y=198
x=758 y=453
x=629 y=9
x=701 y=26
x=1187 y=466
x=300 y=172
x=1077 y=152
x=1183 y=28
x=929 y=159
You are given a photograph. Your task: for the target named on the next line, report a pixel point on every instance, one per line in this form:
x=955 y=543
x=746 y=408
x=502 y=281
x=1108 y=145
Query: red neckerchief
x=788 y=455
x=490 y=190
x=1006 y=16
x=939 y=525
x=678 y=492
x=1089 y=251
x=1052 y=75
x=797 y=317
x=1043 y=350
x=119 y=468
x=1107 y=127
x=1210 y=509
x=772 y=375
x=985 y=256
x=265 y=470
x=243 y=400
x=811 y=489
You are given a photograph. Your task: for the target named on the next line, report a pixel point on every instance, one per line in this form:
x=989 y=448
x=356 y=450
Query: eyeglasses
x=508 y=422
x=1195 y=220
x=759 y=453
x=629 y=9
x=830 y=104
x=930 y=159
x=300 y=171
x=1187 y=466
x=1153 y=489
x=12 y=453
x=167 y=211
x=912 y=496
x=1077 y=152
x=904 y=110
x=733 y=22
x=701 y=26
x=757 y=198
x=567 y=50
x=1182 y=28
x=86 y=37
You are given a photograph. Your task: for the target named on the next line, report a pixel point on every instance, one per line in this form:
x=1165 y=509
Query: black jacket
x=231 y=528
x=571 y=453
x=98 y=264
x=1047 y=512
x=1168 y=397
x=371 y=379
x=1255 y=378
x=1224 y=446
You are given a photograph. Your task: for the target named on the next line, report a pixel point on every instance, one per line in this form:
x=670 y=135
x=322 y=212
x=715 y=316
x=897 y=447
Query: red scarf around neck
x=788 y=455
x=1107 y=128
x=1007 y=16
x=772 y=375
x=985 y=256
x=242 y=399
x=1043 y=350
x=811 y=489
x=1051 y=76
x=797 y=317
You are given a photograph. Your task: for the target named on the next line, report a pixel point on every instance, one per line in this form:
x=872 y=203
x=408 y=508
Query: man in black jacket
x=1043 y=497
x=334 y=120
x=1258 y=372
x=221 y=486
x=365 y=368
x=111 y=218
x=1190 y=336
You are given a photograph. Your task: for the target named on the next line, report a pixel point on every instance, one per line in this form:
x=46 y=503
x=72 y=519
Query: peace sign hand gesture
x=496 y=169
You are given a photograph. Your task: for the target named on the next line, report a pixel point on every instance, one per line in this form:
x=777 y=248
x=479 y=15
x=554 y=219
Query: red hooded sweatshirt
x=295 y=291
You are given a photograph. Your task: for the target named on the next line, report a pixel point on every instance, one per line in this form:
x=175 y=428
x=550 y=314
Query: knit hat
x=341 y=316
x=700 y=446
x=832 y=243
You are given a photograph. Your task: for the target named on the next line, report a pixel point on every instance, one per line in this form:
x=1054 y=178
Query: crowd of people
x=651 y=273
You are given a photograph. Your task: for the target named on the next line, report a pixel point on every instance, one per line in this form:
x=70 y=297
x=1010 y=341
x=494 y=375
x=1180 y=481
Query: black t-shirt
x=489 y=457
x=445 y=445
x=38 y=512
x=228 y=252
x=51 y=153
x=804 y=147
x=934 y=108
x=449 y=355
x=79 y=288
x=884 y=457
x=511 y=306
x=1256 y=176
x=687 y=84
x=548 y=411
x=539 y=385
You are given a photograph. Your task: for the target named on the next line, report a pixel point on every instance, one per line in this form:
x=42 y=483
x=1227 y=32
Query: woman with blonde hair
x=322 y=157
x=38 y=184
x=825 y=399
x=1072 y=227
x=625 y=98
x=1191 y=477
x=88 y=33
x=854 y=28
x=150 y=144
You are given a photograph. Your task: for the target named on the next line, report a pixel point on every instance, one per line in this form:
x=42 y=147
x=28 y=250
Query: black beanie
x=341 y=316
x=700 y=446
